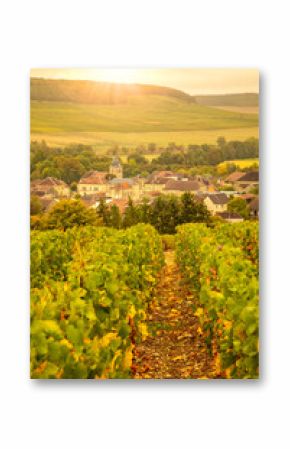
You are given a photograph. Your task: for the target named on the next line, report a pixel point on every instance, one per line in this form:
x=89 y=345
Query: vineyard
x=90 y=289
x=221 y=266
x=98 y=293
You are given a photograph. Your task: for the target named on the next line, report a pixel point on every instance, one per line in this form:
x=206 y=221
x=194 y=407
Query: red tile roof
x=247 y=196
x=48 y=182
x=235 y=176
x=94 y=178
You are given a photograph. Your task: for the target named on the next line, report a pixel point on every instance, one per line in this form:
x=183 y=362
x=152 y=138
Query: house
x=156 y=175
x=233 y=177
x=216 y=202
x=206 y=183
x=158 y=179
x=116 y=168
x=247 y=181
x=155 y=185
x=51 y=187
x=117 y=187
x=179 y=187
x=123 y=188
x=250 y=177
x=230 y=217
x=92 y=182
x=254 y=207
x=93 y=201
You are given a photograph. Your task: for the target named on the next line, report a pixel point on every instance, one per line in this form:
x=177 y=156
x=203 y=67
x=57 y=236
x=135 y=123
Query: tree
x=255 y=190
x=115 y=217
x=165 y=214
x=74 y=186
x=221 y=142
x=193 y=211
x=103 y=213
x=136 y=158
x=143 y=211
x=35 y=205
x=68 y=213
x=239 y=205
x=230 y=168
x=36 y=222
x=68 y=163
x=173 y=215
x=71 y=169
x=130 y=215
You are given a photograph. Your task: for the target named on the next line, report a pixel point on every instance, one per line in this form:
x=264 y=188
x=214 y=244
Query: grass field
x=142 y=120
x=149 y=114
x=240 y=109
x=102 y=141
x=244 y=163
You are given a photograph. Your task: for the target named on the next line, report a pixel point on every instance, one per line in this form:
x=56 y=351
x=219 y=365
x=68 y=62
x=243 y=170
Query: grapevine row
x=221 y=266
x=90 y=292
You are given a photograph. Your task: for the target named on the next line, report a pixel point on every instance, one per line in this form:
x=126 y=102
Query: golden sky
x=192 y=81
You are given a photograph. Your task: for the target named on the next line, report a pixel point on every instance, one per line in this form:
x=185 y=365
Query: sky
x=191 y=81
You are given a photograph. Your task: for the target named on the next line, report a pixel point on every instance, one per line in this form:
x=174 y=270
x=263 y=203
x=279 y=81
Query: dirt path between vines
x=175 y=348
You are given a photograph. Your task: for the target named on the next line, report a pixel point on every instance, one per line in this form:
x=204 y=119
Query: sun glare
x=115 y=75
x=189 y=80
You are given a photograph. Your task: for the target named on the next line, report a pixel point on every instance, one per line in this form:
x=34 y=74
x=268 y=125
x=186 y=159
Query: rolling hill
x=239 y=100
x=93 y=92
x=104 y=114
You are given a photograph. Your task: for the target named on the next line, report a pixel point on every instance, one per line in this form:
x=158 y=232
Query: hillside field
x=147 y=114
x=240 y=109
x=238 y=100
x=101 y=141
x=130 y=116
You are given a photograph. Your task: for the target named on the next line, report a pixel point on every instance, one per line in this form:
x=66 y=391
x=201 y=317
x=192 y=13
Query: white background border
x=153 y=414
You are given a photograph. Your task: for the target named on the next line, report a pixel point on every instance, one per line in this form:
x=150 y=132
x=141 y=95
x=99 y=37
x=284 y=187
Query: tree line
x=193 y=158
x=72 y=162
x=164 y=213
x=68 y=164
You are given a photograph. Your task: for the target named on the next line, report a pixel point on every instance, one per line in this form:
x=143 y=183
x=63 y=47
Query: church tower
x=116 y=168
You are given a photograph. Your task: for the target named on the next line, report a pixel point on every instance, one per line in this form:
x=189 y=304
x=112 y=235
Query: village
x=113 y=189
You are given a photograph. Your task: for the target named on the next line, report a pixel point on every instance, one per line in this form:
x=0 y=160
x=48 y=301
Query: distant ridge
x=242 y=100
x=93 y=92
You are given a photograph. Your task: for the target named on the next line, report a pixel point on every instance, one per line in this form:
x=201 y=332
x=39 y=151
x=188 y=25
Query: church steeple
x=116 y=168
